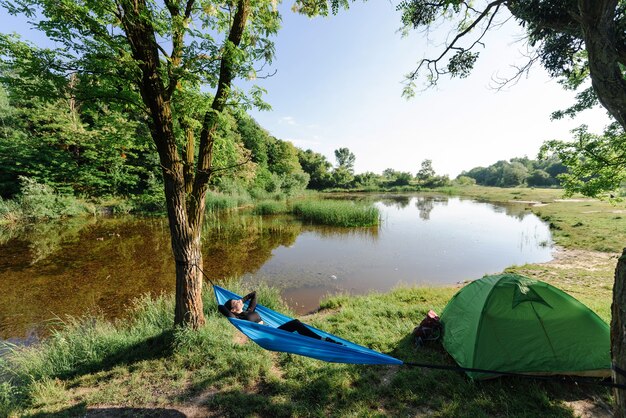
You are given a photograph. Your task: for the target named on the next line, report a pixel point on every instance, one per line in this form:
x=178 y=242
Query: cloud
x=288 y=120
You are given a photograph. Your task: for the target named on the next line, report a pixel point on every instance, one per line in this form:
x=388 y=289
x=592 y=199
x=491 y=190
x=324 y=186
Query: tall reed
x=337 y=213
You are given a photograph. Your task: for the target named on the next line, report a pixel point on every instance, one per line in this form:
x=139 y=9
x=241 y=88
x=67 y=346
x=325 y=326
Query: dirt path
x=566 y=258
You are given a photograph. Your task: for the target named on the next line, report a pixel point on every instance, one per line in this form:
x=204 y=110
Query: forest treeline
x=94 y=148
x=53 y=142
x=518 y=172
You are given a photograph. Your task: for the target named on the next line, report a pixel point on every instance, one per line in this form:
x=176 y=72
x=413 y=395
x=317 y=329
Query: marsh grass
x=337 y=213
x=270 y=207
x=216 y=201
x=144 y=362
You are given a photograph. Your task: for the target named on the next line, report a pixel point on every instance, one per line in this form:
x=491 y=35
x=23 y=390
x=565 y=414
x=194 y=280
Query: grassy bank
x=92 y=367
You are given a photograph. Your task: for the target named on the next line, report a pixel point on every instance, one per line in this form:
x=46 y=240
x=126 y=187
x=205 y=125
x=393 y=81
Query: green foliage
x=342 y=178
x=336 y=213
x=596 y=163
x=517 y=172
x=283 y=157
x=317 y=167
x=367 y=180
x=9 y=398
x=216 y=201
x=464 y=181
x=401 y=179
x=426 y=176
x=345 y=159
x=38 y=201
x=152 y=198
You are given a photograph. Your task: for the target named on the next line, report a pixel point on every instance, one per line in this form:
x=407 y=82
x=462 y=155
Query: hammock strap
x=203 y=273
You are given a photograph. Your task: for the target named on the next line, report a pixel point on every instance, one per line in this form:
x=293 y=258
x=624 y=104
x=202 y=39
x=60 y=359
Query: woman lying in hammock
x=233 y=308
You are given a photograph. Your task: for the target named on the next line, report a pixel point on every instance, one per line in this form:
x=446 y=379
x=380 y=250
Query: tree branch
x=432 y=64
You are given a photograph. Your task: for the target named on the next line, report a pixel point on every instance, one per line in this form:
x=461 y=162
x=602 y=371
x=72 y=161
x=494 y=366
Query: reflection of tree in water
x=399 y=202
x=44 y=239
x=239 y=244
x=425 y=205
x=517 y=211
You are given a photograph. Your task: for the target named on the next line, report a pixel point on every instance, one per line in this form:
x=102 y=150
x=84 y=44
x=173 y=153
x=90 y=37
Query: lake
x=76 y=266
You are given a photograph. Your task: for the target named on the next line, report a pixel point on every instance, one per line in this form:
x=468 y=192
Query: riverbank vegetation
x=145 y=366
x=142 y=363
x=336 y=213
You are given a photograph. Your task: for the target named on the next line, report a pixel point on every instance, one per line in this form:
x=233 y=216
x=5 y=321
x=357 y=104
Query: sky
x=338 y=83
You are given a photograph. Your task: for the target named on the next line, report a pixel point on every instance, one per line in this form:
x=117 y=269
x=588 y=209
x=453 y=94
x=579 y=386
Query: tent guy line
x=587 y=381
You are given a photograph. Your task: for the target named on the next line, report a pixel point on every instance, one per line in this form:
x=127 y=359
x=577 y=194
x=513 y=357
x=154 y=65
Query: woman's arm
x=224 y=311
x=252 y=298
x=249 y=296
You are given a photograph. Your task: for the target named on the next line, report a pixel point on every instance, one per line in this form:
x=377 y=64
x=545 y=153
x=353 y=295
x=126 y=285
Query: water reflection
x=448 y=240
x=100 y=265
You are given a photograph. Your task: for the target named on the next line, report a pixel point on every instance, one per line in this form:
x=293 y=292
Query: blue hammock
x=271 y=338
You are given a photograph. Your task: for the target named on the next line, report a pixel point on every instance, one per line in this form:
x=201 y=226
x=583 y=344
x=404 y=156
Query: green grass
x=144 y=363
x=336 y=213
x=270 y=207
x=219 y=201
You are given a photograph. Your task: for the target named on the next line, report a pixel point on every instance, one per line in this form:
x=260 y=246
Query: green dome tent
x=515 y=324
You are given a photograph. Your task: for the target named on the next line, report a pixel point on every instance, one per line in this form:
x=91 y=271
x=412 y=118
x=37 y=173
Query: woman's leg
x=297 y=326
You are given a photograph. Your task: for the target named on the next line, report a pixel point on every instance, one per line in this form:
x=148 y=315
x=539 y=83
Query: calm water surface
x=51 y=270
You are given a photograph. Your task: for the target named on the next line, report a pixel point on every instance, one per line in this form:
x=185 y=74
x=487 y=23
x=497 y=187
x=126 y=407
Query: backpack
x=428 y=330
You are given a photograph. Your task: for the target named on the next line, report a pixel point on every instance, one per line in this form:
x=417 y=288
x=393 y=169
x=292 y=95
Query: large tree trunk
x=597 y=20
x=184 y=194
x=618 y=334
x=184 y=232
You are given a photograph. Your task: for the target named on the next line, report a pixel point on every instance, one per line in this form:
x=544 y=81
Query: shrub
x=38 y=201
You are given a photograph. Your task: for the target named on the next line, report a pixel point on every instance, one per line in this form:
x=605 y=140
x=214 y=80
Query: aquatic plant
x=270 y=207
x=337 y=213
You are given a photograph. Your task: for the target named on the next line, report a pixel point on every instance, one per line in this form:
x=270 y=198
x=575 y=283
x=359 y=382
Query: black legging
x=296 y=326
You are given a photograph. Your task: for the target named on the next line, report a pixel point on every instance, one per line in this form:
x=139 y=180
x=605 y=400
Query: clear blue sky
x=339 y=84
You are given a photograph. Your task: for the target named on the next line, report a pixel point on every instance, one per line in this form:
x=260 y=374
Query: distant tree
x=389 y=173
x=317 y=167
x=342 y=178
x=402 y=178
x=283 y=157
x=254 y=137
x=513 y=174
x=539 y=178
x=367 y=179
x=425 y=172
x=345 y=159
x=462 y=180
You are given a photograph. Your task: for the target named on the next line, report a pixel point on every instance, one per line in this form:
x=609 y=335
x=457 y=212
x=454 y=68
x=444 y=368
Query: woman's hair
x=229 y=304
